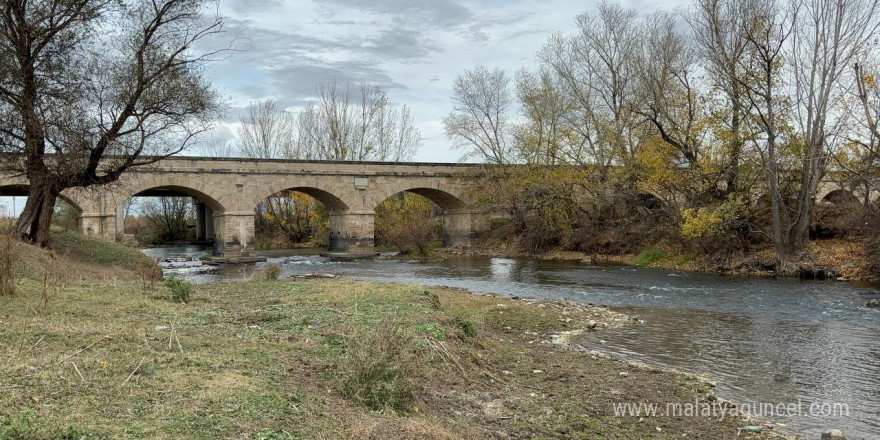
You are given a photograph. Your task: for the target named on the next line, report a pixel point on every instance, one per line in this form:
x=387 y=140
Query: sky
x=412 y=49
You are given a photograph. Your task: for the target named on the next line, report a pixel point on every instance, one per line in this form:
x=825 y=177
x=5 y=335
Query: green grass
x=649 y=257
x=83 y=249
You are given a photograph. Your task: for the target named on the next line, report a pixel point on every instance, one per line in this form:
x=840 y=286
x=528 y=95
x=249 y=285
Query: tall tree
x=768 y=28
x=90 y=88
x=544 y=137
x=479 y=120
x=266 y=131
x=669 y=96
x=828 y=37
x=720 y=33
x=355 y=122
x=597 y=64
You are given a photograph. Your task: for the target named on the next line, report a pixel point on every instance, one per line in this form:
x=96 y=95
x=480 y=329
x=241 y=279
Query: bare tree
x=542 y=139
x=351 y=122
x=169 y=215
x=829 y=35
x=598 y=66
x=768 y=28
x=89 y=88
x=665 y=67
x=220 y=141
x=266 y=132
x=479 y=119
x=862 y=159
x=720 y=33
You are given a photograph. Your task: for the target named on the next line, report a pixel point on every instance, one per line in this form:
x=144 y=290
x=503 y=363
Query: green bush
x=181 y=290
x=271 y=272
x=650 y=257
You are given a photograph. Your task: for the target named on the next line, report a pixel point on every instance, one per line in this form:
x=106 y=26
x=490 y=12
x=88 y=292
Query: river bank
x=113 y=357
x=847 y=260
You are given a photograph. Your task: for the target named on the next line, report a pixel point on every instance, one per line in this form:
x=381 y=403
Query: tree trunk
x=36 y=218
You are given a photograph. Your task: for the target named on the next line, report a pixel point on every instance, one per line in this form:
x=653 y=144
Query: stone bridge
x=227 y=192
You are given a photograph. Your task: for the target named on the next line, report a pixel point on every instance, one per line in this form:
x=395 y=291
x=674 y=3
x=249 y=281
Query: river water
x=809 y=343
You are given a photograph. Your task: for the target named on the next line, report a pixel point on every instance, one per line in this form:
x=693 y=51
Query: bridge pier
x=98 y=225
x=461 y=227
x=234 y=235
x=352 y=233
x=204 y=222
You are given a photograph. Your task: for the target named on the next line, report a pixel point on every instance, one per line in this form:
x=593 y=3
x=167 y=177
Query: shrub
x=408 y=221
x=649 y=257
x=8 y=255
x=271 y=272
x=181 y=290
x=714 y=221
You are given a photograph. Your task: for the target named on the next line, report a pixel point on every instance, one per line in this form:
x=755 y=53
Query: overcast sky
x=413 y=49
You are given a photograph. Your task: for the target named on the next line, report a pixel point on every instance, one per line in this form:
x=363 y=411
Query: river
x=763 y=340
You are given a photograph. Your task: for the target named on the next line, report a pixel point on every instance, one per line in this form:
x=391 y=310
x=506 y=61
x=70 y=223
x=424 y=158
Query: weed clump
x=649 y=257
x=375 y=368
x=467 y=328
x=434 y=298
x=271 y=272
x=181 y=290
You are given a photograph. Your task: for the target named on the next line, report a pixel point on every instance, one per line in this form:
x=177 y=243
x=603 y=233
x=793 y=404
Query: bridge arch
x=325 y=195
x=446 y=197
x=840 y=197
x=457 y=220
x=297 y=221
x=215 y=223
x=175 y=188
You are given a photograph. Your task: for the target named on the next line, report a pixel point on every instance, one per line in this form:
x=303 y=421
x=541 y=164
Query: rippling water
x=763 y=340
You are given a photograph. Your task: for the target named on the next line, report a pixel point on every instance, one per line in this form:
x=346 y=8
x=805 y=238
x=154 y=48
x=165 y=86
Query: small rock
x=624 y=374
x=537 y=371
x=842 y=279
x=833 y=434
x=159 y=328
x=502 y=306
x=874 y=303
x=592 y=324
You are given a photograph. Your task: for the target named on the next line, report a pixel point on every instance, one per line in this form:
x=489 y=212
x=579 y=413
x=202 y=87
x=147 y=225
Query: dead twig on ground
x=81 y=378
x=80 y=351
x=132 y=372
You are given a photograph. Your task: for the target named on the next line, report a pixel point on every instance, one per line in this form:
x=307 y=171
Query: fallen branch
x=36 y=344
x=132 y=372
x=80 y=351
x=444 y=353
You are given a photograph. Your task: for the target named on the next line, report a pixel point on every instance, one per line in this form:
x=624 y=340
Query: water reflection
x=502 y=269
x=763 y=340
